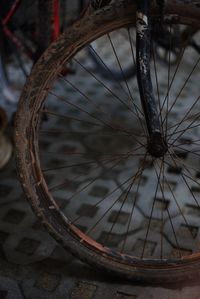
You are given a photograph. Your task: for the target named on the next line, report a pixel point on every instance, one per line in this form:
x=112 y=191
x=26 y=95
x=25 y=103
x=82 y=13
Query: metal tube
x=156 y=145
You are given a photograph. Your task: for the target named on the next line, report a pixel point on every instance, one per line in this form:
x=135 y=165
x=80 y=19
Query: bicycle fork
x=157 y=145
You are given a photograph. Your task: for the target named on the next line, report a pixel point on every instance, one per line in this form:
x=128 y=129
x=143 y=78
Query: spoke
x=111 y=73
x=120 y=158
x=125 y=155
x=126 y=83
x=122 y=130
x=70 y=118
x=114 y=131
x=64 y=100
x=187 y=151
x=151 y=214
x=77 y=164
x=193 y=180
x=173 y=78
x=189 y=127
x=162 y=212
x=62 y=185
x=87 y=97
x=168 y=79
x=132 y=178
x=161 y=174
x=86 y=186
x=186 y=166
x=122 y=72
x=101 y=134
x=131 y=44
x=84 y=95
x=185 y=83
x=105 y=86
x=169 y=216
x=179 y=208
x=96 y=153
x=174 y=232
x=133 y=206
x=183 y=175
x=105 y=197
x=189 y=142
x=196 y=115
x=44 y=152
x=121 y=207
x=185 y=116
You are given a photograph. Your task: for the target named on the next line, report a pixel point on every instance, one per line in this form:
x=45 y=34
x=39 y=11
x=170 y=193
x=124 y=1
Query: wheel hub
x=157 y=145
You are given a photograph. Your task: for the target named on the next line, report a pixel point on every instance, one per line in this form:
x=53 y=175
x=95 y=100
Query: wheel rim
x=131 y=143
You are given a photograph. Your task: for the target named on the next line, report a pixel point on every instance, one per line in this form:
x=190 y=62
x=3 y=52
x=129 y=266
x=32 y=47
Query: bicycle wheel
x=87 y=171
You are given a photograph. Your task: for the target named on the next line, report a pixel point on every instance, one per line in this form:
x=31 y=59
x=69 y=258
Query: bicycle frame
x=8 y=33
x=15 y=40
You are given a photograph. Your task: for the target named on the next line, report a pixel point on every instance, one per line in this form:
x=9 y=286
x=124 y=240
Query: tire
x=90 y=161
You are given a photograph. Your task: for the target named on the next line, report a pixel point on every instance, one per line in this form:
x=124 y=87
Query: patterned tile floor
x=33 y=265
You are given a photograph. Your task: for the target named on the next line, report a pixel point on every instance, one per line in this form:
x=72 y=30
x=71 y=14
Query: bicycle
x=122 y=189
x=25 y=33
x=27 y=28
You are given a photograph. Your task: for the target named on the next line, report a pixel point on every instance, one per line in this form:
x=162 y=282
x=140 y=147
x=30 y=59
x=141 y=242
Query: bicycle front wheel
x=87 y=171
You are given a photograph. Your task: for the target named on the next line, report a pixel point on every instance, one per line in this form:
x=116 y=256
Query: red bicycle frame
x=55 y=26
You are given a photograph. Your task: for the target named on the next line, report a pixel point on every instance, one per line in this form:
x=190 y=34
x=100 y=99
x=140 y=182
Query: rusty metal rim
x=27 y=158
